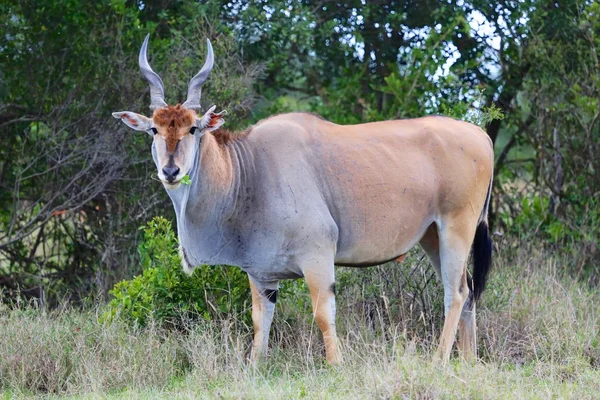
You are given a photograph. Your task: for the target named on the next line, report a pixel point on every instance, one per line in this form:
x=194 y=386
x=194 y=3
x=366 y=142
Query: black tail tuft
x=482 y=258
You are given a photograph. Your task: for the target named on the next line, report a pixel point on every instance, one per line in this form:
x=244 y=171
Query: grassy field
x=539 y=337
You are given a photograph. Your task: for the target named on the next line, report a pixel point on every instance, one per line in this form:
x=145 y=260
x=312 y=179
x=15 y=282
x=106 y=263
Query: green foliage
x=165 y=294
x=489 y=114
x=533 y=215
x=534 y=221
x=186 y=180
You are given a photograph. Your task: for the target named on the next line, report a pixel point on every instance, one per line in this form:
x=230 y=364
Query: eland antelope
x=295 y=195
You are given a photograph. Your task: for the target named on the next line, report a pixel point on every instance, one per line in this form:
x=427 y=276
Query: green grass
x=538 y=338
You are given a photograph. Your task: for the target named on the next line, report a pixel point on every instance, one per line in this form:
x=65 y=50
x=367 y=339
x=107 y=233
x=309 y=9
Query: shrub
x=575 y=228
x=164 y=293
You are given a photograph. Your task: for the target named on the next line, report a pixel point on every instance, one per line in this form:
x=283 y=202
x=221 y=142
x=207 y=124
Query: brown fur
x=224 y=136
x=170 y=121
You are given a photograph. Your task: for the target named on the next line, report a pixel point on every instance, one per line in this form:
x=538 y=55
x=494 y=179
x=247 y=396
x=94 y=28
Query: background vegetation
x=76 y=186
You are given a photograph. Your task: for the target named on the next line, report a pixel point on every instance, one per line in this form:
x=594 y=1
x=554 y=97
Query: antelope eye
x=153 y=129
x=193 y=130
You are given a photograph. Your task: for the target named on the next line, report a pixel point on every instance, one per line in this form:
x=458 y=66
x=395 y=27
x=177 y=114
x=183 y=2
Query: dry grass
x=538 y=338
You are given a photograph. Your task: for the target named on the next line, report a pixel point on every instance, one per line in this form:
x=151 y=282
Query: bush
x=165 y=294
x=575 y=227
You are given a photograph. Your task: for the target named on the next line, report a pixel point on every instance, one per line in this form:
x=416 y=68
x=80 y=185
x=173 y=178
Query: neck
x=206 y=207
x=214 y=175
x=217 y=175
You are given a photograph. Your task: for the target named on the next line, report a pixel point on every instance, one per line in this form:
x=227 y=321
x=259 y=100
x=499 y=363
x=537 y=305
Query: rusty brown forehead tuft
x=172 y=118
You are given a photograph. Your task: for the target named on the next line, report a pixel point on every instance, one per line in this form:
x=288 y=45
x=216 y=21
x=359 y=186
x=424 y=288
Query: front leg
x=264 y=297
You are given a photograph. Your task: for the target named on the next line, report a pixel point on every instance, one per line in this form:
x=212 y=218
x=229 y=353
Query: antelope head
x=176 y=129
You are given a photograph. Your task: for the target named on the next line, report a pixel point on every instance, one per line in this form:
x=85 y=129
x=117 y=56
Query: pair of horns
x=157 y=90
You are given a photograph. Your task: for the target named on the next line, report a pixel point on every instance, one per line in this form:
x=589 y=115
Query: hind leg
x=455 y=239
x=430 y=242
x=467 y=332
x=467 y=339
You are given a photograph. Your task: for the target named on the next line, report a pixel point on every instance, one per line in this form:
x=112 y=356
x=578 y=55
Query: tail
x=482 y=250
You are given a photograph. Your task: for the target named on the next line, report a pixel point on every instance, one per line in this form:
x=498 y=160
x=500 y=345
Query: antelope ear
x=134 y=121
x=211 y=121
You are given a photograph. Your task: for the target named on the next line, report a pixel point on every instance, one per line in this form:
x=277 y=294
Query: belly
x=381 y=226
x=384 y=244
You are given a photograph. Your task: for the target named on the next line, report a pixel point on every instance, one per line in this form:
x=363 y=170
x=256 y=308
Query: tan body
x=295 y=195
x=376 y=190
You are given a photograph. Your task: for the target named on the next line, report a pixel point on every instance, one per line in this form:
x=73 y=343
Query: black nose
x=170 y=173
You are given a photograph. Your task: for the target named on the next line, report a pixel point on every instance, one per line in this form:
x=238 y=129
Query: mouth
x=171 y=185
